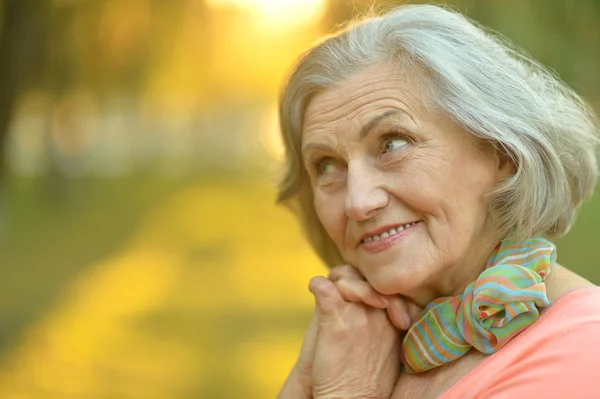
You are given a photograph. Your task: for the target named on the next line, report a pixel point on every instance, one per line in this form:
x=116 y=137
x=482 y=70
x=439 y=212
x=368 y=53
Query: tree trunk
x=21 y=48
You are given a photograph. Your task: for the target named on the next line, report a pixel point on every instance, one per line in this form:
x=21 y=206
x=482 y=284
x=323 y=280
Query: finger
x=308 y=345
x=360 y=291
x=414 y=310
x=398 y=313
x=345 y=272
x=327 y=298
x=307 y=351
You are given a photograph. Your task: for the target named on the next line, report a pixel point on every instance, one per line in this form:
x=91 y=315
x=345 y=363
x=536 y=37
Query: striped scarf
x=501 y=303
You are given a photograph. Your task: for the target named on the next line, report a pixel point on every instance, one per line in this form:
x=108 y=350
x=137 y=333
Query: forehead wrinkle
x=328 y=113
x=387 y=97
x=352 y=101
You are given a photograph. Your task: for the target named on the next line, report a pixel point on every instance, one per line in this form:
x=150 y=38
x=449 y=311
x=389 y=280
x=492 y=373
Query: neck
x=456 y=276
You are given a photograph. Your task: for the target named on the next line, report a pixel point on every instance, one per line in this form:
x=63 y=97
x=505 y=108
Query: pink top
x=557 y=357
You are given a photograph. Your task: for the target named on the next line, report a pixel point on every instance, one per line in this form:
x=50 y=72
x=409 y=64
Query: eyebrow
x=364 y=131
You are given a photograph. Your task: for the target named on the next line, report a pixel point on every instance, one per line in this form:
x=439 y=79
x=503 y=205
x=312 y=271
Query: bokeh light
x=276 y=14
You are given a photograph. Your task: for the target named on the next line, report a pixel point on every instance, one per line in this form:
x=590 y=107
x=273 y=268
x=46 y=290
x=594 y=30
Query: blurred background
x=141 y=252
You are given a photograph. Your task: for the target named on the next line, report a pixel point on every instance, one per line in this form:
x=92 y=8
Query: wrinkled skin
x=351 y=349
x=379 y=159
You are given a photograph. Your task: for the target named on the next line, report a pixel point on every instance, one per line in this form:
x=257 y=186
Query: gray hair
x=484 y=84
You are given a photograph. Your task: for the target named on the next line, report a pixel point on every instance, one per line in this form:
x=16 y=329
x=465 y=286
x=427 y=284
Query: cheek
x=420 y=186
x=447 y=197
x=331 y=214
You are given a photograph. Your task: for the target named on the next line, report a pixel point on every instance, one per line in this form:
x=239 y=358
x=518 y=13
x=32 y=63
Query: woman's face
x=399 y=187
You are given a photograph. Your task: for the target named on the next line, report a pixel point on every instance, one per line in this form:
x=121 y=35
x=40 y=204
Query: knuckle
x=336 y=272
x=346 y=290
x=346 y=269
x=318 y=285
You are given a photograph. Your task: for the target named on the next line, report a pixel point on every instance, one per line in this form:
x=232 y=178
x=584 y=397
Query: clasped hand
x=353 y=344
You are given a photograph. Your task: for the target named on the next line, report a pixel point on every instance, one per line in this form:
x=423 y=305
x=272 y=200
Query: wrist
x=350 y=394
x=297 y=386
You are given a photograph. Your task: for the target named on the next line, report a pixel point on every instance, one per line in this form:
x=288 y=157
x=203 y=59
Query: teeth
x=391 y=232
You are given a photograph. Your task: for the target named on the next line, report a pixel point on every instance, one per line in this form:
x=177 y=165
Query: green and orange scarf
x=501 y=303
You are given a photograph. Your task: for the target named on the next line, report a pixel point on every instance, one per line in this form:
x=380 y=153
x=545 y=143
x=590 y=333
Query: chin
x=395 y=279
x=391 y=283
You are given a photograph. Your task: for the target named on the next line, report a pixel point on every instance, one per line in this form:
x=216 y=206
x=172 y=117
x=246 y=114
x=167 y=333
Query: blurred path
x=207 y=299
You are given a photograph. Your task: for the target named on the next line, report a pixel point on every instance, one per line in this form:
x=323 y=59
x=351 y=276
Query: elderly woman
x=430 y=164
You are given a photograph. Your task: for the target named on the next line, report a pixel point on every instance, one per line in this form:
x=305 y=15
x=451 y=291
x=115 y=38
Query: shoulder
x=559 y=355
x=566 y=322
x=556 y=357
x=566 y=330
x=575 y=307
x=562 y=281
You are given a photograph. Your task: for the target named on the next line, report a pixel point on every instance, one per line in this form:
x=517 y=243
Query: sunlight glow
x=276 y=13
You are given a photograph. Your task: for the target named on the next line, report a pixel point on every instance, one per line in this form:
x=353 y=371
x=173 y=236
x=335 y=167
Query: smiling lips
x=386 y=234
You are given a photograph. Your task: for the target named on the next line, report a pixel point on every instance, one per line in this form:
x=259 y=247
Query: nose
x=364 y=196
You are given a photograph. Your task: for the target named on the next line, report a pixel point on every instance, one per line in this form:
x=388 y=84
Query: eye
x=393 y=143
x=326 y=165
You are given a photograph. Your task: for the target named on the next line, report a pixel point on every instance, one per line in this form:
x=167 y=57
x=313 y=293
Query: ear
x=507 y=164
